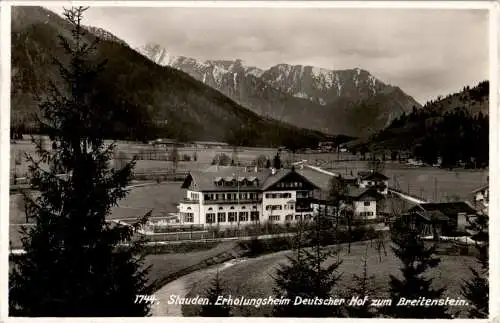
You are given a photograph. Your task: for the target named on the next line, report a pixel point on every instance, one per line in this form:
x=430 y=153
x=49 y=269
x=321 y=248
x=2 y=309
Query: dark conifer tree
x=306 y=276
x=363 y=287
x=277 y=161
x=416 y=261
x=476 y=290
x=213 y=293
x=76 y=263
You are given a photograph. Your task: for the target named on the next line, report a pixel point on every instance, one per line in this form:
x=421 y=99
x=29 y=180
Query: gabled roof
x=357 y=192
x=372 y=176
x=482 y=188
x=449 y=208
x=433 y=216
x=273 y=179
x=205 y=180
x=321 y=180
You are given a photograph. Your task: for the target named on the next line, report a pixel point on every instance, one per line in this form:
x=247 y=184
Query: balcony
x=188 y=201
x=240 y=201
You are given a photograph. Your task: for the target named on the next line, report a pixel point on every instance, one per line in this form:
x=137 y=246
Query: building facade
x=375 y=180
x=230 y=196
x=481 y=199
x=233 y=197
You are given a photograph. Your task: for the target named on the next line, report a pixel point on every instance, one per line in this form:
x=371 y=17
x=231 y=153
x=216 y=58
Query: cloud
x=426 y=52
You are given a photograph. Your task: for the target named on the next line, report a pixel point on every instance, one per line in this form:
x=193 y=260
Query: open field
x=160 y=198
x=430 y=183
x=204 y=156
x=253 y=278
x=433 y=184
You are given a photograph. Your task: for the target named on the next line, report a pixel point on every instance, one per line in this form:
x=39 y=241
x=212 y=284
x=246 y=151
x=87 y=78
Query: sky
x=426 y=52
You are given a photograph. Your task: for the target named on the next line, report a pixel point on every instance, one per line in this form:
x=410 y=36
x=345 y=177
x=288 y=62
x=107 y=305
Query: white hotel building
x=230 y=196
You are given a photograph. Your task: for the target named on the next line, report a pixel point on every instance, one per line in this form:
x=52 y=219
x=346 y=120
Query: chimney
x=273 y=170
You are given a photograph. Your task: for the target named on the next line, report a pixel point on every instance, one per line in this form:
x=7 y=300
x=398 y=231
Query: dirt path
x=181 y=287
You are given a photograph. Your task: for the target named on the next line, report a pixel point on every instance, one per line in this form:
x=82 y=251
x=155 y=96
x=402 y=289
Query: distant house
x=363 y=202
x=164 y=143
x=441 y=219
x=211 y=144
x=326 y=146
x=414 y=162
x=481 y=199
x=374 y=180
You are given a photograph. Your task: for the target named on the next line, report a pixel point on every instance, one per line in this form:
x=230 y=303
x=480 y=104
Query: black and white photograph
x=249 y=160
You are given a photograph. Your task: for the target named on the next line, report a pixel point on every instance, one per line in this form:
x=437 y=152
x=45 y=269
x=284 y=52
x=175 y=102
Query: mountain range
x=351 y=102
x=145 y=99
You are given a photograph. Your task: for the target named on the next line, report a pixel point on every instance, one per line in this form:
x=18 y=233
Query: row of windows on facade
x=234 y=182
x=241 y=217
x=247 y=196
x=289 y=184
x=280 y=207
x=221 y=217
x=229 y=196
x=300 y=194
x=252 y=182
x=231 y=208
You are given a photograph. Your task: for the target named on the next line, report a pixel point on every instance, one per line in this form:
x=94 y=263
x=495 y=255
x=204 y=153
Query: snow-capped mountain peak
x=279 y=89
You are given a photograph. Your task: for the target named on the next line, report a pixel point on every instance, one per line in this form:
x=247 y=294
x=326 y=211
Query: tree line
x=453 y=138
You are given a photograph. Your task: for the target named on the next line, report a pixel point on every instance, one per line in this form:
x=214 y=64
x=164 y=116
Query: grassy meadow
x=254 y=277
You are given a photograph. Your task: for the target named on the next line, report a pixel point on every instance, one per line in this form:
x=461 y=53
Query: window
x=221 y=208
x=232 y=216
x=307 y=216
x=243 y=216
x=298 y=217
x=221 y=217
x=268 y=195
x=254 y=216
x=289 y=217
x=243 y=207
x=365 y=214
x=210 y=217
x=273 y=207
x=367 y=203
x=291 y=207
x=274 y=218
x=189 y=217
x=210 y=209
x=255 y=207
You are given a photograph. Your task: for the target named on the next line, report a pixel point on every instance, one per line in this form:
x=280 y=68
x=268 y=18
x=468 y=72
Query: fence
x=176 y=233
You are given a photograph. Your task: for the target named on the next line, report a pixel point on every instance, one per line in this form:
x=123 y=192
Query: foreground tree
x=213 y=294
x=307 y=277
x=416 y=261
x=77 y=264
x=363 y=287
x=476 y=290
